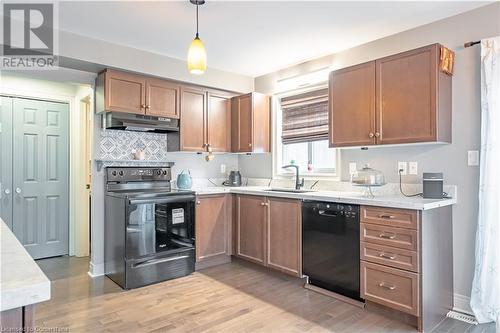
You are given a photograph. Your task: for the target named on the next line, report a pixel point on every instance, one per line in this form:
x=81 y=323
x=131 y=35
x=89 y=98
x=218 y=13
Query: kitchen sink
x=288 y=190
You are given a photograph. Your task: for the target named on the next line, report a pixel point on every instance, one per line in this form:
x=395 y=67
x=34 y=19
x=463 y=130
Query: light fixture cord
x=196 y=20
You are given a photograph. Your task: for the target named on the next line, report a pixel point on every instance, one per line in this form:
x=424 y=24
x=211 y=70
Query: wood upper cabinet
x=409 y=89
x=403 y=98
x=193 y=118
x=212 y=227
x=251 y=221
x=162 y=98
x=123 y=92
x=352 y=106
x=284 y=237
x=219 y=122
x=205 y=120
x=251 y=118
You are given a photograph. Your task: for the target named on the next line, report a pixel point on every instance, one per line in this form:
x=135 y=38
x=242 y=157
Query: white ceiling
x=251 y=38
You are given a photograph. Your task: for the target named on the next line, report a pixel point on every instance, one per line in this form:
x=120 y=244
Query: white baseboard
x=461 y=303
x=96 y=270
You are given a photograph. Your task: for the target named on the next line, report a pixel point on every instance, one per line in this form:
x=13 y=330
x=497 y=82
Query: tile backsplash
x=119 y=145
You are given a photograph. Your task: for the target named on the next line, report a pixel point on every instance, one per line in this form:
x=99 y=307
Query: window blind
x=305 y=117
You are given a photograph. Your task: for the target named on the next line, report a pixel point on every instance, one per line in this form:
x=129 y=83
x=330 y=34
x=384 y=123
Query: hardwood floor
x=235 y=297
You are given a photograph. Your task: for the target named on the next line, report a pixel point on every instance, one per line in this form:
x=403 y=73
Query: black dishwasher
x=330 y=246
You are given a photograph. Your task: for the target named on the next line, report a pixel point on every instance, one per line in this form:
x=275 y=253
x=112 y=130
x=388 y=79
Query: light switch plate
x=473 y=157
x=352 y=167
x=413 y=168
x=403 y=166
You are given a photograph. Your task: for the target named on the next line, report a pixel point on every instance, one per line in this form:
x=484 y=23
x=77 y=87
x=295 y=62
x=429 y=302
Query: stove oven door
x=160 y=225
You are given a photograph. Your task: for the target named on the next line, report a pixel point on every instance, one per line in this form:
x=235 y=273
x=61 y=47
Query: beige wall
x=451 y=159
x=92 y=55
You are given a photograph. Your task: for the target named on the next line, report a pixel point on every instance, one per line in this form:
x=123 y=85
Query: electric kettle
x=234 y=179
x=184 y=180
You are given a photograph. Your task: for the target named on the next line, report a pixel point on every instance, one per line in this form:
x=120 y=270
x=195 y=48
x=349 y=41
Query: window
x=311 y=157
x=301 y=127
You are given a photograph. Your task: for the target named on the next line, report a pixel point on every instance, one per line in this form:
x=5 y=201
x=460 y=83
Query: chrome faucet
x=298 y=183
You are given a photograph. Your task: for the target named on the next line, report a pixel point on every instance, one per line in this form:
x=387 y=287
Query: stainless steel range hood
x=139 y=123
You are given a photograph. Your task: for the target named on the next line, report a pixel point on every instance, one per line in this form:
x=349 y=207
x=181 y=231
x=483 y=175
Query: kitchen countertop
x=393 y=201
x=22 y=282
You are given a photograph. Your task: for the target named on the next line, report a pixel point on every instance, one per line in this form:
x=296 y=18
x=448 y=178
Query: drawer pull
x=387 y=216
x=387 y=256
x=387 y=236
x=383 y=285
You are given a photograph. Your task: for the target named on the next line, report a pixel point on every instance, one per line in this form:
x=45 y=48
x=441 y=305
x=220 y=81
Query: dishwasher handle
x=324 y=213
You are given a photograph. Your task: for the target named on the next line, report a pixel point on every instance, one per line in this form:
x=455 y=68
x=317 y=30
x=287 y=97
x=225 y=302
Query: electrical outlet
x=413 y=168
x=222 y=168
x=402 y=166
x=473 y=158
x=352 y=167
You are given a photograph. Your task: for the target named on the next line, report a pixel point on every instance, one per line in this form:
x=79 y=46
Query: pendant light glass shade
x=197 y=57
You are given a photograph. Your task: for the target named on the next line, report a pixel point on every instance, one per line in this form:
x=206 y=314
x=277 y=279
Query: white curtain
x=485 y=297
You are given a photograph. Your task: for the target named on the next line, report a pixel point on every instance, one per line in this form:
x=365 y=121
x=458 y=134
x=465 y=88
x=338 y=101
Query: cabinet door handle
x=249 y=145
x=371 y=135
x=387 y=256
x=387 y=236
x=148 y=106
x=377 y=135
x=387 y=216
x=386 y=286
x=264 y=204
x=143 y=106
x=198 y=202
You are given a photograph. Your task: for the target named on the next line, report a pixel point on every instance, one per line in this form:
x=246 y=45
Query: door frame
x=75 y=175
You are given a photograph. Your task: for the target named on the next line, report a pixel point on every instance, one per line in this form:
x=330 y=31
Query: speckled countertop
x=22 y=282
x=394 y=201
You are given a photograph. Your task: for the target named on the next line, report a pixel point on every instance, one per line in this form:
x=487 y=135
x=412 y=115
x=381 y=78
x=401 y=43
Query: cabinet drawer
x=402 y=218
x=390 y=256
x=395 y=237
x=391 y=287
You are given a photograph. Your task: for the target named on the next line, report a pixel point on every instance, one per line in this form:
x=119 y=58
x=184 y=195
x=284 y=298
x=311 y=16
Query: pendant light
x=197 y=56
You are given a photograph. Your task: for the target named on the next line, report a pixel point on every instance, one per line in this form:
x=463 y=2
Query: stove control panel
x=126 y=174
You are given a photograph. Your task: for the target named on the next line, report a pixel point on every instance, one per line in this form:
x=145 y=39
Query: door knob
x=7 y=191
x=18 y=190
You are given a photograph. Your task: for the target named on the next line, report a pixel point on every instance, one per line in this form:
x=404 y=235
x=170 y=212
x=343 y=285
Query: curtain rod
x=469 y=44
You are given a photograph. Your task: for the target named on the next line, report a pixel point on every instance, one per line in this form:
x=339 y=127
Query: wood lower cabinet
x=403 y=98
x=268 y=232
x=391 y=287
x=193 y=119
x=406 y=261
x=251 y=220
x=284 y=235
x=213 y=228
x=251 y=121
x=18 y=320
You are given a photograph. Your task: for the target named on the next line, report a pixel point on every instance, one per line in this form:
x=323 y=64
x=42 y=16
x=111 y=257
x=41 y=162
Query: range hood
x=139 y=122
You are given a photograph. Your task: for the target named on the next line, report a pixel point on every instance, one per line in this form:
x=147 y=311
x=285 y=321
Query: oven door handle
x=177 y=198
x=158 y=261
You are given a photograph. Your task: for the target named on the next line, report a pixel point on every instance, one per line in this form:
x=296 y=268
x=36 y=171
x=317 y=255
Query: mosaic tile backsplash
x=119 y=145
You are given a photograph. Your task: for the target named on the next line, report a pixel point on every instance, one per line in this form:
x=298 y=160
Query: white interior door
x=41 y=176
x=6 y=160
